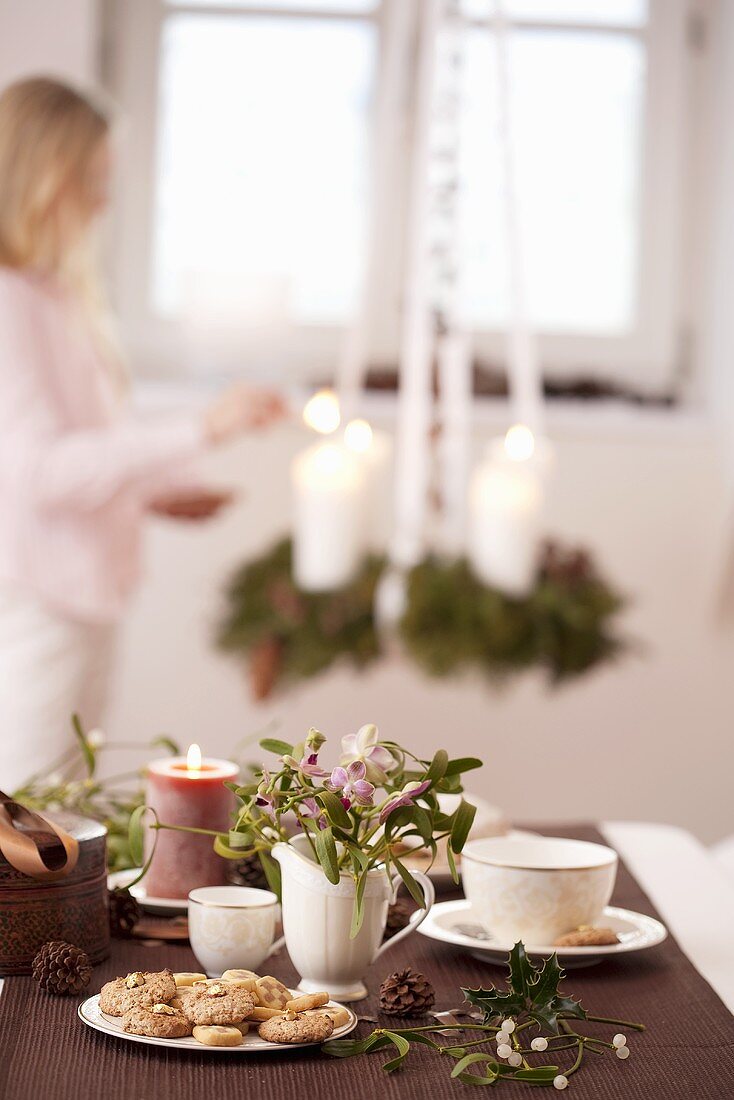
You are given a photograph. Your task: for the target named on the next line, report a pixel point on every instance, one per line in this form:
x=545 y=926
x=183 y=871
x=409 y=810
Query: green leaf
x=326 y=852
x=539 y=1075
x=451 y=860
x=522 y=971
x=222 y=848
x=280 y=748
x=358 y=907
x=437 y=770
x=239 y=839
x=271 y=869
x=135 y=834
x=166 y=743
x=403 y=1048
x=463 y=821
x=410 y=884
x=463 y=764
x=473 y=1060
x=87 y=750
x=334 y=809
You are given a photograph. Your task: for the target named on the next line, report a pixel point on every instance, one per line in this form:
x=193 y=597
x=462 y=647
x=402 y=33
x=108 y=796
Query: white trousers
x=50 y=668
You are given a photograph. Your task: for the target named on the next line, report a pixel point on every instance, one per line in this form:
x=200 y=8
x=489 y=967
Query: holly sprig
x=515 y=1018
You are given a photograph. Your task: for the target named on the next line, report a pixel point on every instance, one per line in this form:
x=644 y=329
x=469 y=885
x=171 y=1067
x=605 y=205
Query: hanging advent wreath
x=452 y=622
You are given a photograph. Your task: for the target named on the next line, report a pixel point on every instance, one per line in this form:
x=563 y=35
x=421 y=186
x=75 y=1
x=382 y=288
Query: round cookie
x=245 y=978
x=187 y=977
x=302 y=1029
x=140 y=988
x=271 y=993
x=152 y=1020
x=214 y=1035
x=218 y=1003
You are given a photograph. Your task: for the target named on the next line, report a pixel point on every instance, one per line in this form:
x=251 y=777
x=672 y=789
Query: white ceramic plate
x=454 y=922
x=89 y=1013
x=161 y=907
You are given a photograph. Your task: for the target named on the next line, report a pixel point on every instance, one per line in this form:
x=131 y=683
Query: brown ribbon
x=34 y=845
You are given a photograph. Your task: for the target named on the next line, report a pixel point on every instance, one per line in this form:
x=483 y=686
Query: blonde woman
x=77 y=473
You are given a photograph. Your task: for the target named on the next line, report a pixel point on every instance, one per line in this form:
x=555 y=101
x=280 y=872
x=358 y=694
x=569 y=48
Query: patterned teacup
x=232 y=927
x=537 y=888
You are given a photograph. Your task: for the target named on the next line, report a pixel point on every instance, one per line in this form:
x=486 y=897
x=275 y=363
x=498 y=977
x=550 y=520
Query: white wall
x=57 y=37
x=649 y=738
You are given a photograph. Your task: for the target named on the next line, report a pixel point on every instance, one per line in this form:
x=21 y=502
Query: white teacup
x=232 y=927
x=538 y=888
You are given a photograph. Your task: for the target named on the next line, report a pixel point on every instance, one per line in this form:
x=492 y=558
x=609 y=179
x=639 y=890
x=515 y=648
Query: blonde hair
x=49 y=135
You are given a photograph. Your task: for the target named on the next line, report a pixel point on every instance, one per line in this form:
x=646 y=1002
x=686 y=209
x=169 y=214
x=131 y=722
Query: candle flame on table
x=358 y=436
x=519 y=443
x=193 y=759
x=321 y=412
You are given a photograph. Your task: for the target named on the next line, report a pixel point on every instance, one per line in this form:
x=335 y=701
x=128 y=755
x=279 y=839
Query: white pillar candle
x=373 y=449
x=505 y=507
x=328 y=492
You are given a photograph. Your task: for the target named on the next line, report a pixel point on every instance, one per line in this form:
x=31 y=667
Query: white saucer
x=161 y=907
x=455 y=922
x=90 y=1013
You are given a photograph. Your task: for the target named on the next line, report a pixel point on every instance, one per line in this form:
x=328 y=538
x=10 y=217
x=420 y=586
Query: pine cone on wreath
x=398 y=916
x=406 y=993
x=62 y=968
x=248 y=872
x=124 y=913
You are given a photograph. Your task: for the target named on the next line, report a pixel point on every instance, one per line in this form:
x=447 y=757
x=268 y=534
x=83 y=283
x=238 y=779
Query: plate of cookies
x=240 y=1011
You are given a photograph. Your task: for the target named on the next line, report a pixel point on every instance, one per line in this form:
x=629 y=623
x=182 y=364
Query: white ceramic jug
x=317 y=917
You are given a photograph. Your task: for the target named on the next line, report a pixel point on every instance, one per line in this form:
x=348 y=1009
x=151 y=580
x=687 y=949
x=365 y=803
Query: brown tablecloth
x=46 y=1053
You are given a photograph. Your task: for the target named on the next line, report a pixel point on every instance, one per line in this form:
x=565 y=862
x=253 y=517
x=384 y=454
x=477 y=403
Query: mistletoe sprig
x=531 y=1002
x=378 y=803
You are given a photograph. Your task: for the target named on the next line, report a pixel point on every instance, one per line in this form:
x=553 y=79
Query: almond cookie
x=215 y=1035
x=301 y=1029
x=159 y=1021
x=271 y=993
x=218 y=1003
x=588 y=937
x=138 y=989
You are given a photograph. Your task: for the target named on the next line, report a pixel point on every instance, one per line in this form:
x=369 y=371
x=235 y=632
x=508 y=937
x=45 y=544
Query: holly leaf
x=523 y=975
x=495 y=1002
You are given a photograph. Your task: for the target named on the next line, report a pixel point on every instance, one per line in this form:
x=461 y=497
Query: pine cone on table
x=406 y=993
x=248 y=872
x=62 y=968
x=398 y=916
x=124 y=912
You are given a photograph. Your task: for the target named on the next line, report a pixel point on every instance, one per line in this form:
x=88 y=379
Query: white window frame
x=648 y=358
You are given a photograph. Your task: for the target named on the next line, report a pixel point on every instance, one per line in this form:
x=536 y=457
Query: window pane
x=577 y=102
x=614 y=13
x=261 y=162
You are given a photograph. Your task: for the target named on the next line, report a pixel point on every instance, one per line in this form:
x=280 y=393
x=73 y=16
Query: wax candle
x=188 y=791
x=328 y=500
x=505 y=511
x=373 y=449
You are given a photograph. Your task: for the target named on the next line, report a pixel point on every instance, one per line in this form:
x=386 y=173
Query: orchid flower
x=309 y=765
x=309 y=807
x=351 y=782
x=264 y=799
x=406 y=797
x=363 y=746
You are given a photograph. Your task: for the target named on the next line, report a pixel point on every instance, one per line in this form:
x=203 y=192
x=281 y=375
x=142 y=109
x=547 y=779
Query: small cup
x=232 y=927
x=538 y=888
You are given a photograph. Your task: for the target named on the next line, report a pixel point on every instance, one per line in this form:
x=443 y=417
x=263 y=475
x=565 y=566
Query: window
x=247 y=211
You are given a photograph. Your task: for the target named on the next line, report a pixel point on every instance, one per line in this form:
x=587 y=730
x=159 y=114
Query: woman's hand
x=241 y=409
x=193 y=504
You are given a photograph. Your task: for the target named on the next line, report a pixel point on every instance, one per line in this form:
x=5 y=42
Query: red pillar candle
x=188 y=791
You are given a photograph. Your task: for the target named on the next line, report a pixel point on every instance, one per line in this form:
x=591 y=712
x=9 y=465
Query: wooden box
x=73 y=908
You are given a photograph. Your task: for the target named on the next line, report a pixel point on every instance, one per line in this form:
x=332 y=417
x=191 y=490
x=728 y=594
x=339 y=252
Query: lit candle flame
x=358 y=436
x=193 y=759
x=322 y=412
x=519 y=443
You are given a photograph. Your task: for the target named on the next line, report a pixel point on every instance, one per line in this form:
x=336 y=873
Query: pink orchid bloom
x=310 y=766
x=264 y=798
x=309 y=807
x=363 y=745
x=406 y=797
x=351 y=784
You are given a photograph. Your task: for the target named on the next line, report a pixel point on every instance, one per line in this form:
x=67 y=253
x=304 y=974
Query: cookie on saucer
x=300 y=1029
x=215 y=1003
x=588 y=937
x=158 y=1021
x=140 y=988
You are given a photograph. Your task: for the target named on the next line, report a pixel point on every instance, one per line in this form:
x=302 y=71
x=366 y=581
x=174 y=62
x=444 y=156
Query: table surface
x=694 y=897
